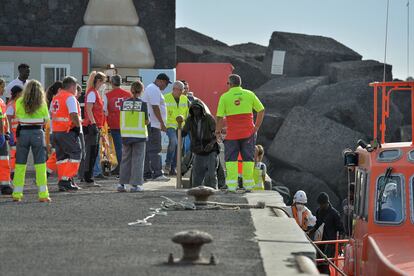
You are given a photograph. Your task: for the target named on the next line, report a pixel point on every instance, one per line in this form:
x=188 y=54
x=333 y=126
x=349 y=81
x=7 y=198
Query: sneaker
x=121 y=188
x=72 y=181
x=6 y=190
x=47 y=199
x=136 y=189
x=100 y=177
x=15 y=199
x=67 y=186
x=173 y=172
x=91 y=184
x=161 y=178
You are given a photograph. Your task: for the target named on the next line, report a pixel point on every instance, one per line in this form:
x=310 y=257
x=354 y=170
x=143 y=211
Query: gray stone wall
x=54 y=23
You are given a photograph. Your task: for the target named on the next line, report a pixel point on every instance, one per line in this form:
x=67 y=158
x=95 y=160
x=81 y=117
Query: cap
x=163 y=76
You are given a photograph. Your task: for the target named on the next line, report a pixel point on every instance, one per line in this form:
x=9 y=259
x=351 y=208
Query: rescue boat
x=382 y=236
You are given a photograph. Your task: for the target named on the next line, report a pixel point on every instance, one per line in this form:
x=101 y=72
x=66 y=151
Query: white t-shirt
x=153 y=96
x=10 y=110
x=71 y=103
x=91 y=98
x=13 y=83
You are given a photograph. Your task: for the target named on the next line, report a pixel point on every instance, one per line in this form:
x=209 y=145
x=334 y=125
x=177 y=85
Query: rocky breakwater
x=321 y=105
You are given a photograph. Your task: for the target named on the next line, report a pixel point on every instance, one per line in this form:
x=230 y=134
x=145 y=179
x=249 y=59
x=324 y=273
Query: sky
x=358 y=24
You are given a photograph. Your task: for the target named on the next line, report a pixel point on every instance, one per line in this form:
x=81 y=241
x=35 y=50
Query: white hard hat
x=300 y=197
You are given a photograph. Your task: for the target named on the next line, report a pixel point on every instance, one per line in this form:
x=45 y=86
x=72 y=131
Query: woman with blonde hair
x=32 y=114
x=92 y=123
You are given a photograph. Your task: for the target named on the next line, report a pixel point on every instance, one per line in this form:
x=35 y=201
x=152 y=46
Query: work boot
x=6 y=189
x=46 y=199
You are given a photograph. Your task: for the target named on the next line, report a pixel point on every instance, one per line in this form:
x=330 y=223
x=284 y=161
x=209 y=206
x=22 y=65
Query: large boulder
x=356 y=69
x=310 y=142
x=252 y=76
x=305 y=55
x=280 y=95
x=196 y=47
x=350 y=103
x=312 y=185
x=251 y=50
x=270 y=126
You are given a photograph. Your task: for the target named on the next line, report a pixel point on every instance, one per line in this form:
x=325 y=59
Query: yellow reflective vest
x=175 y=109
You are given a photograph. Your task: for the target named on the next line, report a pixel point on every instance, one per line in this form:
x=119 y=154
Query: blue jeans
x=187 y=144
x=97 y=170
x=171 y=158
x=116 y=137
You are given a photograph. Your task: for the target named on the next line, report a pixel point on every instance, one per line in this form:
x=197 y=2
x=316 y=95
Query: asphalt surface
x=87 y=233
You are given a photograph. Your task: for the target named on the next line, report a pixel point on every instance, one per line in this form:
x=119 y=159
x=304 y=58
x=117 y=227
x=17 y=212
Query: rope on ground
x=144 y=222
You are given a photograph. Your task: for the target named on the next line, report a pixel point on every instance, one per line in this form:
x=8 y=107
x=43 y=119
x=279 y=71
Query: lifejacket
x=114 y=104
x=304 y=223
x=61 y=121
x=3 y=116
x=97 y=110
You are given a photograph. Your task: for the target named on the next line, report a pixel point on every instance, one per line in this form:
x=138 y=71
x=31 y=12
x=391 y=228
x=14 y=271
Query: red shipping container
x=208 y=81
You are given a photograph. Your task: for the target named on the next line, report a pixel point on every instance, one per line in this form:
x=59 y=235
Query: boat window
x=389 y=200
x=361 y=194
x=412 y=199
x=411 y=155
x=389 y=155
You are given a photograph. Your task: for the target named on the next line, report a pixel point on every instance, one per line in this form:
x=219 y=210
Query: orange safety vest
x=3 y=110
x=304 y=223
x=14 y=121
x=61 y=121
x=97 y=110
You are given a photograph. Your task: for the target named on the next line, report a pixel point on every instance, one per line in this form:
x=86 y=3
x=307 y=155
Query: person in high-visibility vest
x=93 y=122
x=112 y=106
x=134 y=132
x=259 y=174
x=65 y=112
x=16 y=92
x=237 y=105
x=302 y=215
x=32 y=114
x=177 y=104
x=51 y=161
x=5 y=187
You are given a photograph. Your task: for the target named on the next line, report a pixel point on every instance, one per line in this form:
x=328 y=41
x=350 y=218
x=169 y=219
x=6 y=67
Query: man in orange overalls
x=65 y=111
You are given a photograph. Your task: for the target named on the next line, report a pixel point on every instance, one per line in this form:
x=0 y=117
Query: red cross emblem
x=118 y=103
x=55 y=106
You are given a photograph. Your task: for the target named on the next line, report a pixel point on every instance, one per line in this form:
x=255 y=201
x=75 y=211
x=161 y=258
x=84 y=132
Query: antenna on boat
x=386 y=39
x=408 y=38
